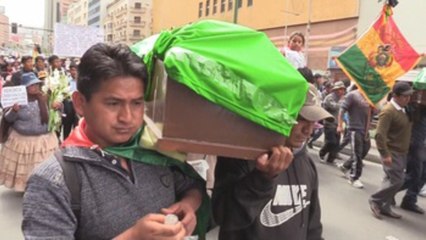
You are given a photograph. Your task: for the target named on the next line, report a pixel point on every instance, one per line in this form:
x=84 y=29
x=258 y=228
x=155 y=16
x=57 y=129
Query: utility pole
x=236 y=6
x=308 y=31
x=286 y=20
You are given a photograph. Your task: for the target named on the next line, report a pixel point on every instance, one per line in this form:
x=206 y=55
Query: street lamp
x=308 y=30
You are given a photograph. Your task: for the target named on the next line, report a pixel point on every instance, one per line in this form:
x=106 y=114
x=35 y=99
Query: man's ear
x=78 y=100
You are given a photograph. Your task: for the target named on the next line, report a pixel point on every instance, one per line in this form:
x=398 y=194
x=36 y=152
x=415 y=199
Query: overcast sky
x=26 y=12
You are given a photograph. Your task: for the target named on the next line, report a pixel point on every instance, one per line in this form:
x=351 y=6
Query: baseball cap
x=312 y=110
x=402 y=88
x=29 y=79
x=338 y=85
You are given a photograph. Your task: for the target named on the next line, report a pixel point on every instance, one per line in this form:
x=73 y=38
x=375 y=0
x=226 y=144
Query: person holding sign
x=28 y=140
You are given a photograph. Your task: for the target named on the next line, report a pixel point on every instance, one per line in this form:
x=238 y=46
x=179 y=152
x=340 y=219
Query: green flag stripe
x=356 y=65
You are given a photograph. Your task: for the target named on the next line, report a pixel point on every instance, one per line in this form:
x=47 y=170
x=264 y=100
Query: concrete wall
x=263 y=14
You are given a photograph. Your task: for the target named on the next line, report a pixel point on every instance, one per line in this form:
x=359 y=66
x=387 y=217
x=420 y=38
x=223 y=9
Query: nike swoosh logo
x=270 y=219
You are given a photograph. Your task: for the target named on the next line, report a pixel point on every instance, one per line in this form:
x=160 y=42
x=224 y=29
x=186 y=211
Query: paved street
x=345 y=211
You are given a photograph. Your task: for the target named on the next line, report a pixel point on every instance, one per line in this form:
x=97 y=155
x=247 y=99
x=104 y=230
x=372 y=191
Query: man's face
x=114 y=113
x=340 y=92
x=28 y=64
x=402 y=100
x=300 y=132
x=40 y=63
x=73 y=72
x=56 y=63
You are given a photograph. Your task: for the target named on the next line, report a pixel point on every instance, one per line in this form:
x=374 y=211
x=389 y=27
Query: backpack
x=72 y=181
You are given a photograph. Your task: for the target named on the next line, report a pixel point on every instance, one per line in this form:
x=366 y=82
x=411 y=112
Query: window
x=93 y=20
x=200 y=9
x=249 y=3
x=136 y=33
x=230 y=5
x=137 y=19
x=240 y=3
x=138 y=5
x=214 y=6
x=207 y=7
x=222 y=5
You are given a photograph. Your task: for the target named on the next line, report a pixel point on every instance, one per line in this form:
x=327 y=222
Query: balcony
x=137 y=24
x=138 y=11
x=120 y=12
x=121 y=25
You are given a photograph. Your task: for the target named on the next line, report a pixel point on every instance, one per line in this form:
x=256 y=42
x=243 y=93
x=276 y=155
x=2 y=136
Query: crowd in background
x=24 y=128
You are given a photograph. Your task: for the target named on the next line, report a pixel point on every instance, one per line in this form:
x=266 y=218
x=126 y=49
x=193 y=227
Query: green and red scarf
x=131 y=150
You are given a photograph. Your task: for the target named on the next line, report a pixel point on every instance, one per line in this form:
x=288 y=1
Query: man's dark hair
x=103 y=62
x=317 y=75
x=37 y=47
x=52 y=58
x=39 y=58
x=307 y=74
x=73 y=65
x=25 y=59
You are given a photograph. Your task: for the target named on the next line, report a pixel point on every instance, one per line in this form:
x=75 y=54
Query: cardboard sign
x=72 y=40
x=12 y=95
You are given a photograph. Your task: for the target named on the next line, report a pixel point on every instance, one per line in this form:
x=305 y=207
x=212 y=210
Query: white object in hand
x=171 y=219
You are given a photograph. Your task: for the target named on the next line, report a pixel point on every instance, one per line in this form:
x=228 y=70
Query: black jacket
x=247 y=205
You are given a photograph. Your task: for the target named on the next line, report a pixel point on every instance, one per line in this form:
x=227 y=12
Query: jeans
x=331 y=144
x=415 y=174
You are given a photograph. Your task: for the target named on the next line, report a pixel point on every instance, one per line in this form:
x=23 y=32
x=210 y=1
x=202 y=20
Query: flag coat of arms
x=378 y=58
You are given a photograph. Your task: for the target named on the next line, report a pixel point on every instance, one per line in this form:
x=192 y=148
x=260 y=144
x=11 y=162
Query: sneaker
x=356 y=183
x=345 y=171
x=422 y=192
x=321 y=157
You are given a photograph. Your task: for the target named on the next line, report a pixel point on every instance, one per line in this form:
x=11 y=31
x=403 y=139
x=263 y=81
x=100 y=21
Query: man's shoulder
x=387 y=111
x=49 y=170
x=388 y=108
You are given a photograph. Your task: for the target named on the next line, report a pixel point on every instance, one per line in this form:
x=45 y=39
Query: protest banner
x=12 y=95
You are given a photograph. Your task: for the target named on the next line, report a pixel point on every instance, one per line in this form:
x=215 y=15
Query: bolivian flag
x=378 y=58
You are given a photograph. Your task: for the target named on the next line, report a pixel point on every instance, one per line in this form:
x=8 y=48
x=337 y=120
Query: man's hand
x=279 y=160
x=339 y=129
x=56 y=105
x=152 y=227
x=16 y=107
x=185 y=213
x=387 y=160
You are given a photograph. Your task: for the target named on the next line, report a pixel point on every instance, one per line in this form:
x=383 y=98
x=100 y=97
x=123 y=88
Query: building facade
x=97 y=12
x=78 y=13
x=63 y=9
x=326 y=23
x=128 y=21
x=4 y=27
x=94 y=13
